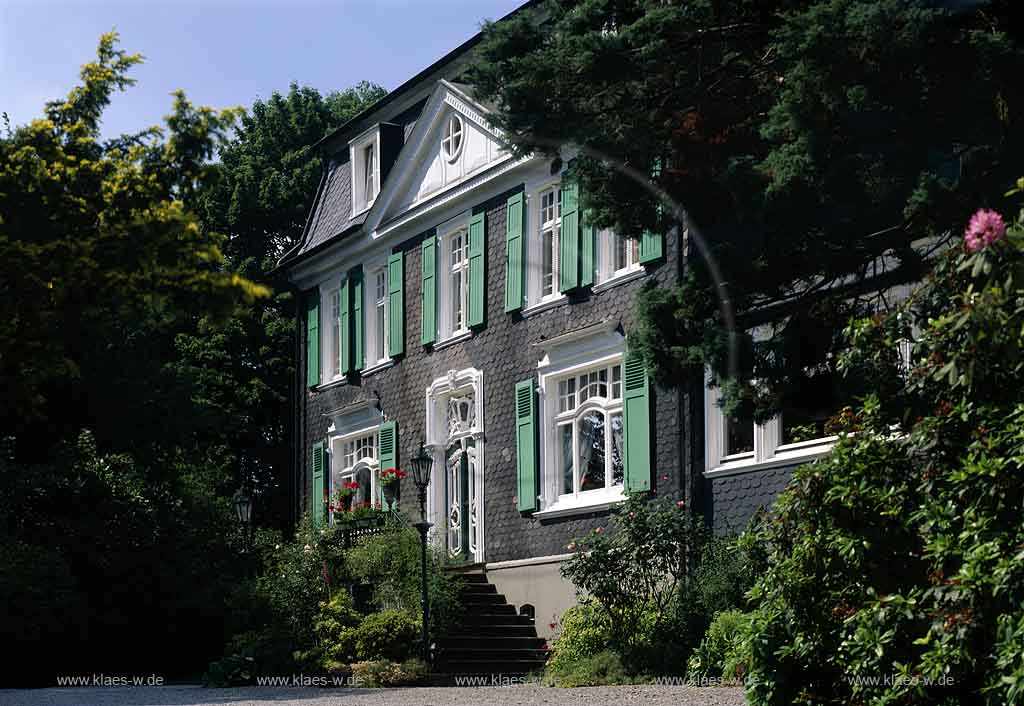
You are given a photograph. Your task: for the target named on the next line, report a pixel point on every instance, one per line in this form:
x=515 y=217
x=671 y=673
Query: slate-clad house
x=455 y=294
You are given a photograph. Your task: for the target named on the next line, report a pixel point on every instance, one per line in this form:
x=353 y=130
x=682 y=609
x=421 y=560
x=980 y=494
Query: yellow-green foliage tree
x=98 y=246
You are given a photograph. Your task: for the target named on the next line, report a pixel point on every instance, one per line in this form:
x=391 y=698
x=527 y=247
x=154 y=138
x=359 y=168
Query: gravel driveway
x=520 y=695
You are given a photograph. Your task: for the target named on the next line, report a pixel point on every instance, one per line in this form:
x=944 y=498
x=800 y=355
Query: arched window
x=588 y=431
x=359 y=464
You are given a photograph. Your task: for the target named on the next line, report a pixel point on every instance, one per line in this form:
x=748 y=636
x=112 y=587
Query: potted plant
x=346 y=494
x=363 y=515
x=390 y=481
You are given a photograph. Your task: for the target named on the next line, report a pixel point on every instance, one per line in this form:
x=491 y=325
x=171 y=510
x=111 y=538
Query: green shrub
x=717 y=656
x=586 y=631
x=657 y=575
x=336 y=618
x=42 y=607
x=335 y=628
x=293 y=584
x=598 y=669
x=389 y=635
x=896 y=573
x=390 y=562
x=251 y=654
x=380 y=673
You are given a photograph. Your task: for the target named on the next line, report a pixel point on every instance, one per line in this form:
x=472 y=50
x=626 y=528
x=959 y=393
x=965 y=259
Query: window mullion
x=608 y=465
x=575 y=455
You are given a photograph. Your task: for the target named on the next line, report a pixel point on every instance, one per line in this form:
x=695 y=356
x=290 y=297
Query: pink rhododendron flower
x=599 y=530
x=681 y=503
x=986 y=227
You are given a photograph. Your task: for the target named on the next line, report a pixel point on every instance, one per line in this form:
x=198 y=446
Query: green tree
x=804 y=141
x=100 y=257
x=240 y=372
x=895 y=570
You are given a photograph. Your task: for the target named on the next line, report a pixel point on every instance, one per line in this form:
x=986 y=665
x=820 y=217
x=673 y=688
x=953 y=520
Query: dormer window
x=369 y=174
x=365 y=160
x=451 y=145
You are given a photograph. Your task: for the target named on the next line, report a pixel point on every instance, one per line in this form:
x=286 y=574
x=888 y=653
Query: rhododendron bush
x=897 y=563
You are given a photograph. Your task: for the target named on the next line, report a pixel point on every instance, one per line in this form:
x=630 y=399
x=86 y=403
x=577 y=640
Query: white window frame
x=607 y=243
x=568 y=355
x=340 y=472
x=361 y=201
x=768 y=451
x=330 y=333
x=450 y=134
x=447 y=327
x=608 y=406
x=535 y=247
x=371 y=315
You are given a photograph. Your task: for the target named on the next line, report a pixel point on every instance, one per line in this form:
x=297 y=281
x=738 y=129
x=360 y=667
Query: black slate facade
x=502 y=350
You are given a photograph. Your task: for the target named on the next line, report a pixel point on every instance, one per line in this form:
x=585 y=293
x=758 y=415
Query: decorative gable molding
x=421 y=178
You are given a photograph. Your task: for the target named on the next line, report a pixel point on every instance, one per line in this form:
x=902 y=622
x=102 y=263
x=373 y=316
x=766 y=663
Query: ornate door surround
x=455 y=438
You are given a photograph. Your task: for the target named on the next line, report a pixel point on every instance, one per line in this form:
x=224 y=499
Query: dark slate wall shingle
x=737 y=498
x=503 y=352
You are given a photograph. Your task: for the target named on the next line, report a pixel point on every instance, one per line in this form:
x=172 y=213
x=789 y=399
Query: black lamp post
x=421 y=466
x=243 y=509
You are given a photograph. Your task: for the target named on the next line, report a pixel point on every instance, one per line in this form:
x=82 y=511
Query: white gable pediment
x=429 y=164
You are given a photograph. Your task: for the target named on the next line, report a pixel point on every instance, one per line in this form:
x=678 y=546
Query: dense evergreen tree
x=807 y=143
x=241 y=371
x=135 y=302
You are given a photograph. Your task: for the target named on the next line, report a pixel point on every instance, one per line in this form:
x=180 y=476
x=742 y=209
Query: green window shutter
x=477 y=265
x=588 y=255
x=388 y=452
x=636 y=422
x=569 y=238
x=526 y=446
x=428 y=290
x=396 y=304
x=345 y=326
x=316 y=500
x=652 y=245
x=358 y=322
x=313 y=339
x=514 y=253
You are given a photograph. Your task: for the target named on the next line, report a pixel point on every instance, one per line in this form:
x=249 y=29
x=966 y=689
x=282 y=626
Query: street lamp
x=421 y=466
x=243 y=510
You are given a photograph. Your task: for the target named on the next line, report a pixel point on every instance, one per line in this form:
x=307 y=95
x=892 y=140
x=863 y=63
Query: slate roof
x=331 y=215
x=333 y=208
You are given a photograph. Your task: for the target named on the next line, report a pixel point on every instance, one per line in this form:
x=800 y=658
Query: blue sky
x=224 y=52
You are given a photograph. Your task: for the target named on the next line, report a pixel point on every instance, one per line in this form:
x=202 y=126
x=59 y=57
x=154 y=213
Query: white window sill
x=787 y=455
x=336 y=382
x=452 y=340
x=628 y=275
x=577 y=506
x=377 y=367
x=358 y=211
x=545 y=304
